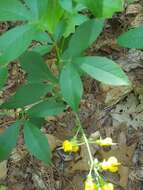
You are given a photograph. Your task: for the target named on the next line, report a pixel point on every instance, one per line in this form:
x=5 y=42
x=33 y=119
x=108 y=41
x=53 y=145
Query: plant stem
x=88 y=149
x=62 y=44
x=57 y=50
x=85 y=139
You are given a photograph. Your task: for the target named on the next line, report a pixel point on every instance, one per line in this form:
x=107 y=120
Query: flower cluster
x=105 y=142
x=108 y=186
x=111 y=164
x=70 y=146
x=90 y=184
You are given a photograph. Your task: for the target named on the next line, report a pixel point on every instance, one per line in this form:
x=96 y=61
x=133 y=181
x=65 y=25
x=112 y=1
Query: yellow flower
x=111 y=164
x=105 y=142
x=70 y=146
x=108 y=186
x=90 y=184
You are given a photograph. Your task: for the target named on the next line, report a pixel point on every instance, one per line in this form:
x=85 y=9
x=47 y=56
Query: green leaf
x=132 y=39
x=71 y=86
x=8 y=140
x=37 y=121
x=36 y=68
x=37 y=7
x=84 y=36
x=13 y=10
x=103 y=8
x=14 y=42
x=53 y=16
x=42 y=37
x=37 y=143
x=103 y=69
x=42 y=49
x=46 y=108
x=72 y=21
x=59 y=30
x=67 y=5
x=131 y=1
x=3 y=187
x=26 y=95
x=3 y=76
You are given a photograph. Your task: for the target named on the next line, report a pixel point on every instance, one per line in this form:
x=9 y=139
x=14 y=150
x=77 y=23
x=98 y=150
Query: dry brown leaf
x=124 y=174
x=82 y=164
x=53 y=141
x=113 y=95
x=17 y=186
x=134 y=9
x=123 y=153
x=3 y=170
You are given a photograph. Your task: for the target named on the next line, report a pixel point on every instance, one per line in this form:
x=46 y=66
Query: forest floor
x=115 y=112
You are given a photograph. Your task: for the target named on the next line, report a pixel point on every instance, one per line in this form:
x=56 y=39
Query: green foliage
x=103 y=8
x=84 y=36
x=103 y=69
x=51 y=19
x=14 y=42
x=64 y=27
x=36 y=68
x=13 y=11
x=3 y=187
x=42 y=49
x=23 y=97
x=71 y=86
x=46 y=108
x=8 y=140
x=131 y=1
x=3 y=76
x=132 y=39
x=37 y=143
x=66 y=5
x=38 y=8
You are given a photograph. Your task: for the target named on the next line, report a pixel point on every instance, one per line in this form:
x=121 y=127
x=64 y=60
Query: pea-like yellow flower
x=108 y=186
x=111 y=164
x=90 y=184
x=70 y=146
x=105 y=142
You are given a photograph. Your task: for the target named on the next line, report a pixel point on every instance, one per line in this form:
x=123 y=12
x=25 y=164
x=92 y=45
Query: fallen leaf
x=113 y=95
x=3 y=170
x=124 y=174
x=53 y=141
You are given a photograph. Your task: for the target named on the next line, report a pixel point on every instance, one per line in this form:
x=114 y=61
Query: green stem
x=62 y=44
x=57 y=50
x=88 y=149
x=85 y=139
